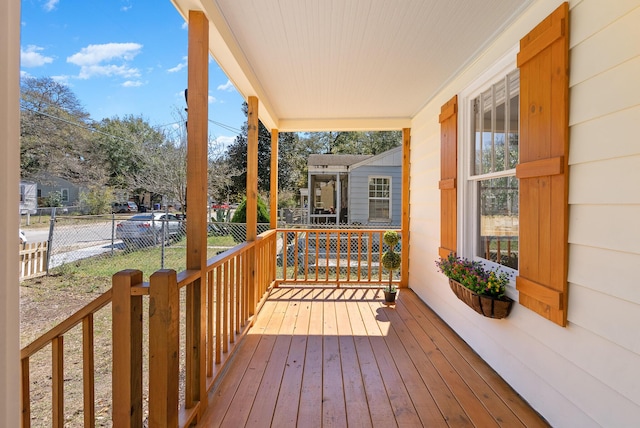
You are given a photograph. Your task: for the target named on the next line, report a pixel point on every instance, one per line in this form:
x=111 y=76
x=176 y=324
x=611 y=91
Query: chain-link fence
x=105 y=244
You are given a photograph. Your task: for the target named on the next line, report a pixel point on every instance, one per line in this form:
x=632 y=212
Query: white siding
x=587 y=374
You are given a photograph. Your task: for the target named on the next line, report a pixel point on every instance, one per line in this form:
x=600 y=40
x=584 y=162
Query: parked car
x=149 y=229
x=124 y=207
x=23 y=237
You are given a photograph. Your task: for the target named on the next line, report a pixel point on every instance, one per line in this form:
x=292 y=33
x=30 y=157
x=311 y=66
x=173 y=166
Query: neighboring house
x=362 y=189
x=69 y=192
x=28 y=197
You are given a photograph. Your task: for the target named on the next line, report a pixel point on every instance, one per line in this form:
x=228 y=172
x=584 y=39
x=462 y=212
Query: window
x=22 y=191
x=493 y=209
x=492 y=183
x=64 y=194
x=379 y=198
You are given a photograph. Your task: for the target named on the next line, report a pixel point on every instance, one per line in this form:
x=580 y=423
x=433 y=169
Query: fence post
x=52 y=222
x=127 y=350
x=164 y=306
x=113 y=231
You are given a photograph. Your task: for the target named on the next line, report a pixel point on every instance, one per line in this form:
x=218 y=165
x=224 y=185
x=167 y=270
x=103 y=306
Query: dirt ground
x=45 y=302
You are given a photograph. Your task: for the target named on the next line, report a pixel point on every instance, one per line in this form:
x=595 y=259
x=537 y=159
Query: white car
x=23 y=237
x=149 y=229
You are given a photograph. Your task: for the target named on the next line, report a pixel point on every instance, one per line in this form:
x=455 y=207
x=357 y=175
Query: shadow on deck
x=341 y=357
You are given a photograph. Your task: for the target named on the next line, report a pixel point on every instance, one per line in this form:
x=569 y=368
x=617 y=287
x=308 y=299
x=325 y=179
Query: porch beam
x=252 y=194
x=197 y=151
x=273 y=218
x=404 y=226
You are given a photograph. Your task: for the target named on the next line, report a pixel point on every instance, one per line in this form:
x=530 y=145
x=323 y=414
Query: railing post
x=164 y=307
x=127 y=350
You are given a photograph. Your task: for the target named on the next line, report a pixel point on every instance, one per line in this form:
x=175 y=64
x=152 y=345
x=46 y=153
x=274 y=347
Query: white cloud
x=24 y=74
x=226 y=87
x=211 y=99
x=31 y=57
x=49 y=5
x=132 y=84
x=180 y=66
x=185 y=25
x=91 y=59
x=95 y=54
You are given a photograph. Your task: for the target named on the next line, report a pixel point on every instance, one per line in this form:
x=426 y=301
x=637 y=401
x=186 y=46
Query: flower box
x=488 y=306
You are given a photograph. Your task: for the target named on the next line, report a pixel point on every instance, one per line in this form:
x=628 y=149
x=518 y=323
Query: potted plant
x=481 y=289
x=391 y=262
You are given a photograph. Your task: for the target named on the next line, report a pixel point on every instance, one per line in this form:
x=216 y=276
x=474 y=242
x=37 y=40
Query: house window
x=22 y=190
x=379 y=198
x=64 y=193
x=492 y=186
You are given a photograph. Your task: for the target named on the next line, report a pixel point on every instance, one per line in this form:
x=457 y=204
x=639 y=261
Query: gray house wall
x=56 y=184
x=359 y=192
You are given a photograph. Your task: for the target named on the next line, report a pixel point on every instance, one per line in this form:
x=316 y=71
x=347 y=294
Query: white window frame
x=467 y=187
x=390 y=198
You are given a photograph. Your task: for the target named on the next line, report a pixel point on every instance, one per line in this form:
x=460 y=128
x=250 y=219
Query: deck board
x=323 y=357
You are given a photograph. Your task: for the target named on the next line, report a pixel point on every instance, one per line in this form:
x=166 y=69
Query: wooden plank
x=57 y=381
x=225 y=393
x=311 y=393
x=382 y=413
x=498 y=397
x=355 y=397
x=403 y=408
x=197 y=185
x=473 y=410
x=240 y=408
x=405 y=220
x=333 y=401
x=164 y=349
x=25 y=396
x=408 y=369
x=286 y=411
x=543 y=167
x=127 y=350
x=88 y=372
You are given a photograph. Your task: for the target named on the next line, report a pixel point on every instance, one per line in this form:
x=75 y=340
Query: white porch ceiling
x=347 y=64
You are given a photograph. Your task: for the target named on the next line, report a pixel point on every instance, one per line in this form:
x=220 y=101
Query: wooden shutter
x=543 y=170
x=448 y=176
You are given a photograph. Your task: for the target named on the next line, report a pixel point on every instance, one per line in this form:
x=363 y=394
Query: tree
x=55 y=134
x=130 y=148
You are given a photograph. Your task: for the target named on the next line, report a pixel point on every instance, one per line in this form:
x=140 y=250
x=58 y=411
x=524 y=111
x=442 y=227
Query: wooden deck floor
x=340 y=357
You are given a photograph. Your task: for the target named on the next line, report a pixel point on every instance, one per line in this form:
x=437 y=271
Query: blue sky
x=122 y=57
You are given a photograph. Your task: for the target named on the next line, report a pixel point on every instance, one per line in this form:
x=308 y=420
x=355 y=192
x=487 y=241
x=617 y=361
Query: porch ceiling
x=347 y=65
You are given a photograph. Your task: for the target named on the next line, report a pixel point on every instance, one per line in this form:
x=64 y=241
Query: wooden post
x=88 y=370
x=252 y=195
x=164 y=307
x=127 y=350
x=274 y=179
x=197 y=155
x=57 y=381
x=406 y=181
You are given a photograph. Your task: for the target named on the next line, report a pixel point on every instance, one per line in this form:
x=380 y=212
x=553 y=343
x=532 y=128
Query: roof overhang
x=347 y=65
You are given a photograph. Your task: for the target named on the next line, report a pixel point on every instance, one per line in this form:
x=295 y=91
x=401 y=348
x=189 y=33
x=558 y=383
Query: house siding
x=585 y=374
x=359 y=191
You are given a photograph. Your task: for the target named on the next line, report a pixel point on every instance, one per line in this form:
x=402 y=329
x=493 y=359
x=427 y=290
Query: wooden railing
x=55 y=337
x=214 y=312
x=33 y=259
x=331 y=256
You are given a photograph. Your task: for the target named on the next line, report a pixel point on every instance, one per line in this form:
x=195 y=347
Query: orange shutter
x=543 y=170
x=448 y=176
